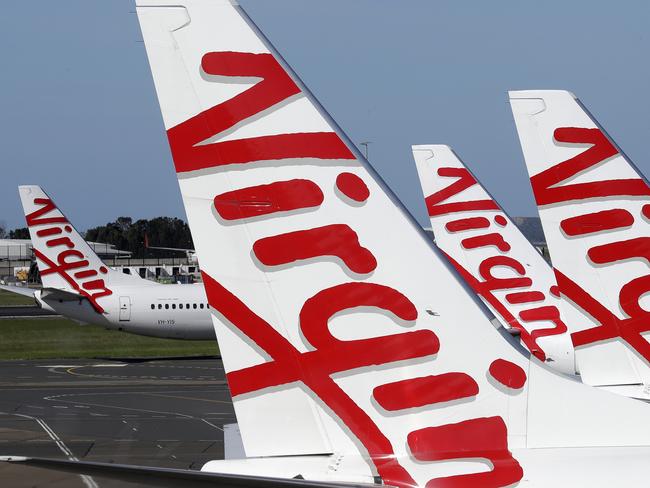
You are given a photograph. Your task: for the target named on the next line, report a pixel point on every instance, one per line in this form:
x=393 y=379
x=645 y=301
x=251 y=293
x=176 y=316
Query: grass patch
x=49 y=338
x=8 y=299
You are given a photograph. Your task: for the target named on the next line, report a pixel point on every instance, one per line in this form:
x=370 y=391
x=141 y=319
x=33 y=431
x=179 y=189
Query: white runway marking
x=60 y=398
x=212 y=425
x=87 y=480
x=58 y=366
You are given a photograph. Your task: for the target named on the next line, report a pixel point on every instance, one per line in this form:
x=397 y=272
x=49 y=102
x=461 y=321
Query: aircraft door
x=125 y=309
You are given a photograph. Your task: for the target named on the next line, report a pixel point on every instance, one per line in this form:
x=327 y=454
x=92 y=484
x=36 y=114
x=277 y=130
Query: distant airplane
x=78 y=285
x=594 y=205
x=353 y=352
x=493 y=256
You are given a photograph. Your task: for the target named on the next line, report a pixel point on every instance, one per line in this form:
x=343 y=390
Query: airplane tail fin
x=65 y=260
x=594 y=206
x=341 y=329
x=479 y=237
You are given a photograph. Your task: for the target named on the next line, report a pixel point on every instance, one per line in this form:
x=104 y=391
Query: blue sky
x=78 y=113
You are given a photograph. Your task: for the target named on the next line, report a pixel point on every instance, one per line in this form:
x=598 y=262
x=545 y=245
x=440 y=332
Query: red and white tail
x=493 y=256
x=341 y=329
x=65 y=261
x=594 y=207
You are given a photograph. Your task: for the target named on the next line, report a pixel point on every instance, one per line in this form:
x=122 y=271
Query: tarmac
x=165 y=413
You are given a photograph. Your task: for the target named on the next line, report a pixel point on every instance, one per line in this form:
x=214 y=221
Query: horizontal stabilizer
x=61 y=295
x=19 y=290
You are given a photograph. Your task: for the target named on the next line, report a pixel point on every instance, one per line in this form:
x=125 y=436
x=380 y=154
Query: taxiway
x=166 y=413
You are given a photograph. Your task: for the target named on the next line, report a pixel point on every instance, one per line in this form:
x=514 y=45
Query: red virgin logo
x=69 y=263
x=549 y=189
x=484 y=282
x=328 y=355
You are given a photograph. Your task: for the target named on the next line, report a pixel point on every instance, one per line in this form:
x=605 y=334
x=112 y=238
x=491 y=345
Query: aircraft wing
x=166 y=477
x=19 y=290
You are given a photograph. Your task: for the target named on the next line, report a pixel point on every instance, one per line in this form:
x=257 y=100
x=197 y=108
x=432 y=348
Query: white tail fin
x=64 y=259
x=493 y=256
x=341 y=329
x=594 y=208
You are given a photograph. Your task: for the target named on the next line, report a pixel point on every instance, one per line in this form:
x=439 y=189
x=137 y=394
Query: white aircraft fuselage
x=78 y=285
x=168 y=311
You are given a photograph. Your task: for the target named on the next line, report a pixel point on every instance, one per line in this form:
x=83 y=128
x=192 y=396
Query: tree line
x=19 y=233
x=135 y=237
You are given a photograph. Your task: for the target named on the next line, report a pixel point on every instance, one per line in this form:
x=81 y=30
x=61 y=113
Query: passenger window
x=180 y=305
x=166 y=306
x=159 y=306
x=194 y=306
x=201 y=305
x=174 y=306
x=152 y=306
x=187 y=305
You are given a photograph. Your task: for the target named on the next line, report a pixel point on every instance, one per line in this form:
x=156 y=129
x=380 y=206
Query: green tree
x=128 y=235
x=19 y=233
